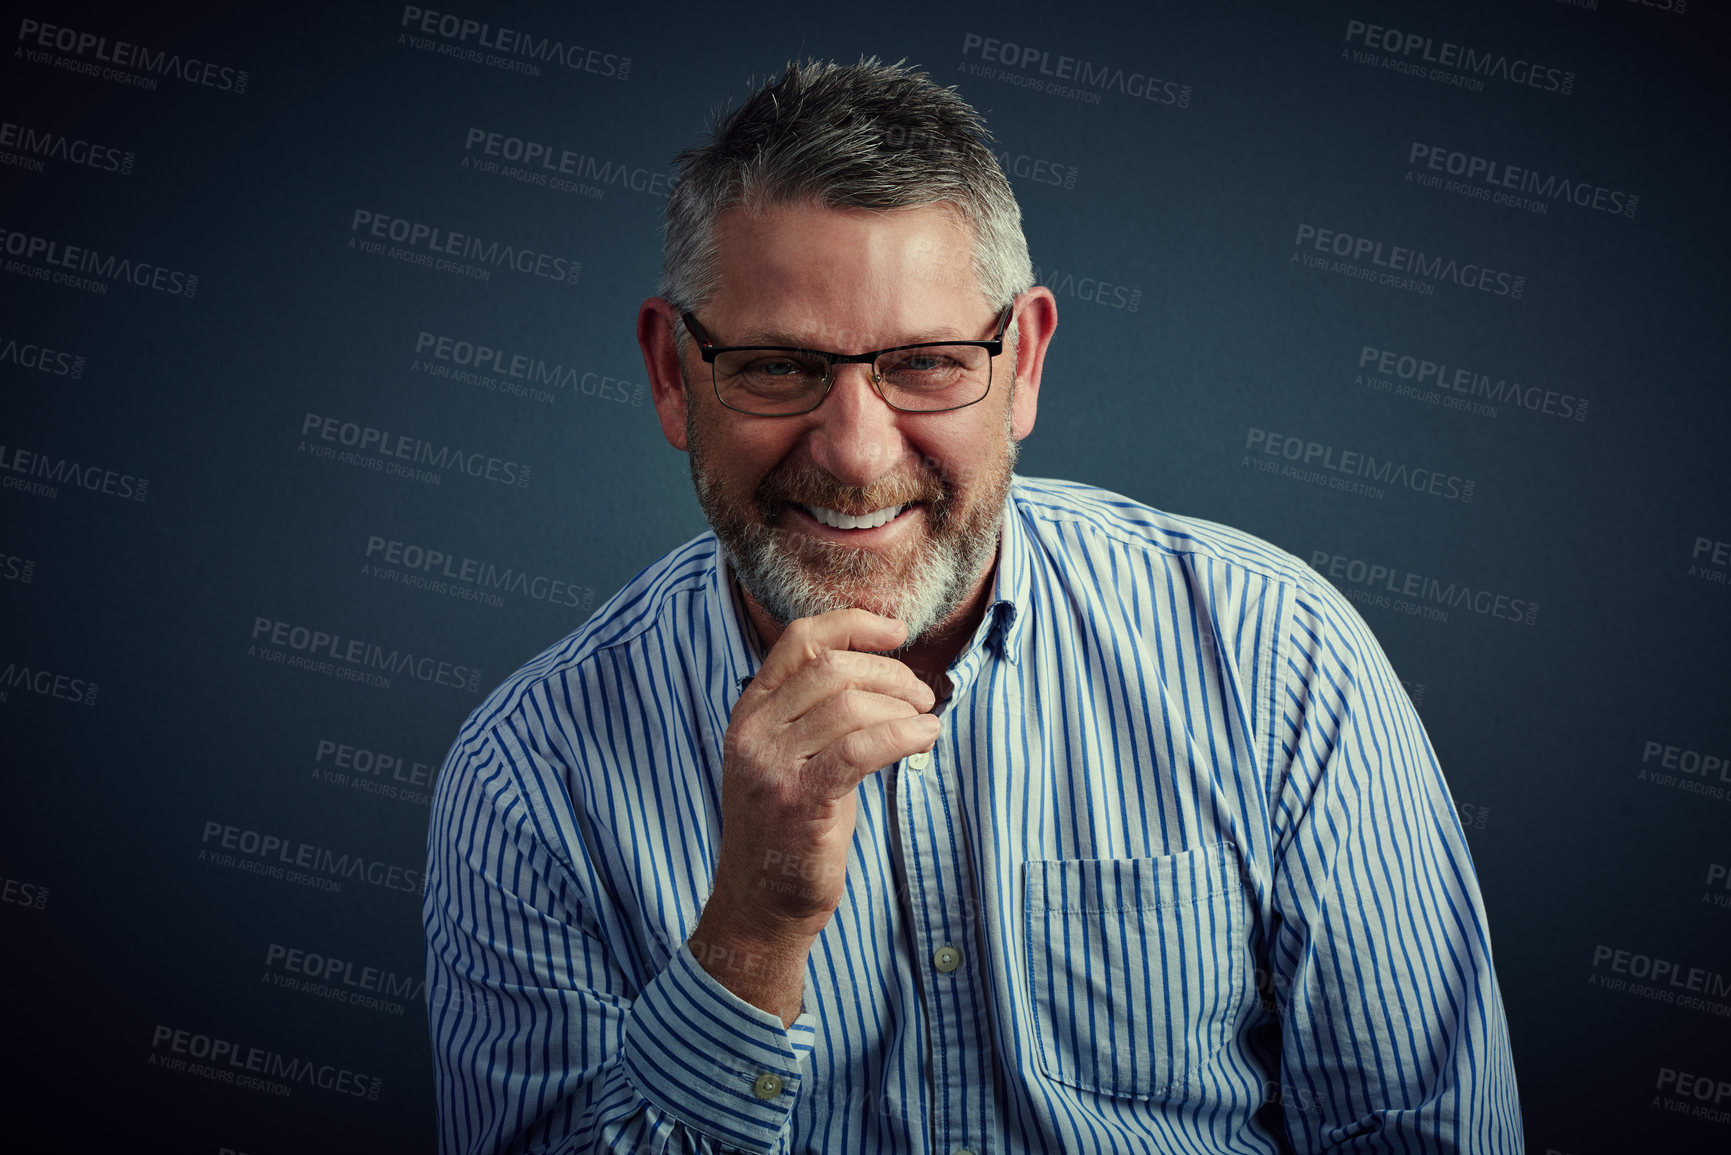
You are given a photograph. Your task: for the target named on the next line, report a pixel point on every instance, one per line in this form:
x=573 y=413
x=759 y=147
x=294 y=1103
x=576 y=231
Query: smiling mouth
x=837 y=520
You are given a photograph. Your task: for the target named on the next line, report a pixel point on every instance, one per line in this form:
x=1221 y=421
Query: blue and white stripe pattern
x=1181 y=875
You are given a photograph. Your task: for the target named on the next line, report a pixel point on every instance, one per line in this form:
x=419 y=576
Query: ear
x=657 y=322
x=1036 y=318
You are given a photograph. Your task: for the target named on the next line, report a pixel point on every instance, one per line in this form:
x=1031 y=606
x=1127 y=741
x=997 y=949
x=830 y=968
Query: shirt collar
x=726 y=603
x=1006 y=618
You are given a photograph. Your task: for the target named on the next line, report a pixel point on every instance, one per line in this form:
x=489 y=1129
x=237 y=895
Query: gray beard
x=777 y=569
x=795 y=576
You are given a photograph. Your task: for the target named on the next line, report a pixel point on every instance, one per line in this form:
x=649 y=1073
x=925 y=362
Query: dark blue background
x=1541 y=729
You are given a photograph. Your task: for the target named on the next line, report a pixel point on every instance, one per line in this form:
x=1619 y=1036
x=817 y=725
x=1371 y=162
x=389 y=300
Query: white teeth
x=847 y=521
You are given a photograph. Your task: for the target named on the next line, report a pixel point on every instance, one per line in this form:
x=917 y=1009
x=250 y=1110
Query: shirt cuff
x=711 y=1060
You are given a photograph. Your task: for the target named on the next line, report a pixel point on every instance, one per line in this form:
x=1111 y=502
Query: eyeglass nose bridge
x=833 y=361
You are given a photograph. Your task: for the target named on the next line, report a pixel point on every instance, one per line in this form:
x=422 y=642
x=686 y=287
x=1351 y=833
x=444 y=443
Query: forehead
x=848 y=275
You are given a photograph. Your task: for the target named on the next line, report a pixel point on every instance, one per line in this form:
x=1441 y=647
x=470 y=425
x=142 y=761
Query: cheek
x=966 y=457
x=741 y=457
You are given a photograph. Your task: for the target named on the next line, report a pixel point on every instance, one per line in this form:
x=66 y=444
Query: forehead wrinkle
x=805 y=276
x=789 y=339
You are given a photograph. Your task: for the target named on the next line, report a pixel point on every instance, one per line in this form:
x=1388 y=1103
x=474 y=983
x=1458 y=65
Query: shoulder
x=1068 y=515
x=1074 y=525
x=644 y=608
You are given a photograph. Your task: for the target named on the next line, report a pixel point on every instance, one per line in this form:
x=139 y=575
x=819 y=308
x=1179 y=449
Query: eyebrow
x=778 y=337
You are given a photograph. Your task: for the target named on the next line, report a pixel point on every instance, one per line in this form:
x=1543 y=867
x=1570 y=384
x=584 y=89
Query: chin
x=793 y=576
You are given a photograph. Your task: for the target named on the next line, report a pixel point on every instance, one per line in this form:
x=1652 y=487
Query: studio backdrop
x=321 y=412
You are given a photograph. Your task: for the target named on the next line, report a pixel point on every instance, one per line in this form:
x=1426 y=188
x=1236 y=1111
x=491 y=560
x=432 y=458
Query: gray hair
x=866 y=135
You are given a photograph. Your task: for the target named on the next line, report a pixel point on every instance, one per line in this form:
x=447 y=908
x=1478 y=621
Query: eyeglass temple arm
x=703 y=342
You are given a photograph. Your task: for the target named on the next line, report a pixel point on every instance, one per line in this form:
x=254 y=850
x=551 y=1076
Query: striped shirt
x=1180 y=875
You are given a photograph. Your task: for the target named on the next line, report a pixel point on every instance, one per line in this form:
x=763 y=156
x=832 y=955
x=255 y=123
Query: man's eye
x=767 y=373
x=932 y=368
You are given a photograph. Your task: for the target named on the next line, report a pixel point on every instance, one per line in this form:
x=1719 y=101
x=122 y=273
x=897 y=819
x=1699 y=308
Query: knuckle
x=854 y=748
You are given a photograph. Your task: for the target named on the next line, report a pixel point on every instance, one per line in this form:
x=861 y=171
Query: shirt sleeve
x=544 y=1039
x=1393 y=1034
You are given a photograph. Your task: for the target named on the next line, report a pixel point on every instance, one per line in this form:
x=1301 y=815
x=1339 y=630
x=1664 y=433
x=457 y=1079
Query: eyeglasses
x=781 y=381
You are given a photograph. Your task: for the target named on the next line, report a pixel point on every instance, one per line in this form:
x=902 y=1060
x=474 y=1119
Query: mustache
x=810 y=485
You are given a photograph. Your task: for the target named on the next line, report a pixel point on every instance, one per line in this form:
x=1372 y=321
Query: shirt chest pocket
x=1137 y=967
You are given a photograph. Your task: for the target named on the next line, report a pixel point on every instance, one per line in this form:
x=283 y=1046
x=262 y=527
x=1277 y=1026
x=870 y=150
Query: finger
x=845 y=763
x=838 y=715
x=805 y=638
x=836 y=671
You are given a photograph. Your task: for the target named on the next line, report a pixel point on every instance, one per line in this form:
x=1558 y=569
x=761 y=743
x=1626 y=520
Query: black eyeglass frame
x=709 y=351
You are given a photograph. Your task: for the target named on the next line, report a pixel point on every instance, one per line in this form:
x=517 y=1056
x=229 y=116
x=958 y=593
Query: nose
x=856 y=436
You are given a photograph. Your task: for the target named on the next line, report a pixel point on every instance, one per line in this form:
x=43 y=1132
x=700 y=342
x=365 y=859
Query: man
x=924 y=808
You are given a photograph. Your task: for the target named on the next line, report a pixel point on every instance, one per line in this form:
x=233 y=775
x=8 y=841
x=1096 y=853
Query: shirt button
x=768 y=1086
x=947 y=959
x=919 y=761
x=963 y=1151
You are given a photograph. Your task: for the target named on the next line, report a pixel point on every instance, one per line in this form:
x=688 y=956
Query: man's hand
x=822 y=714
